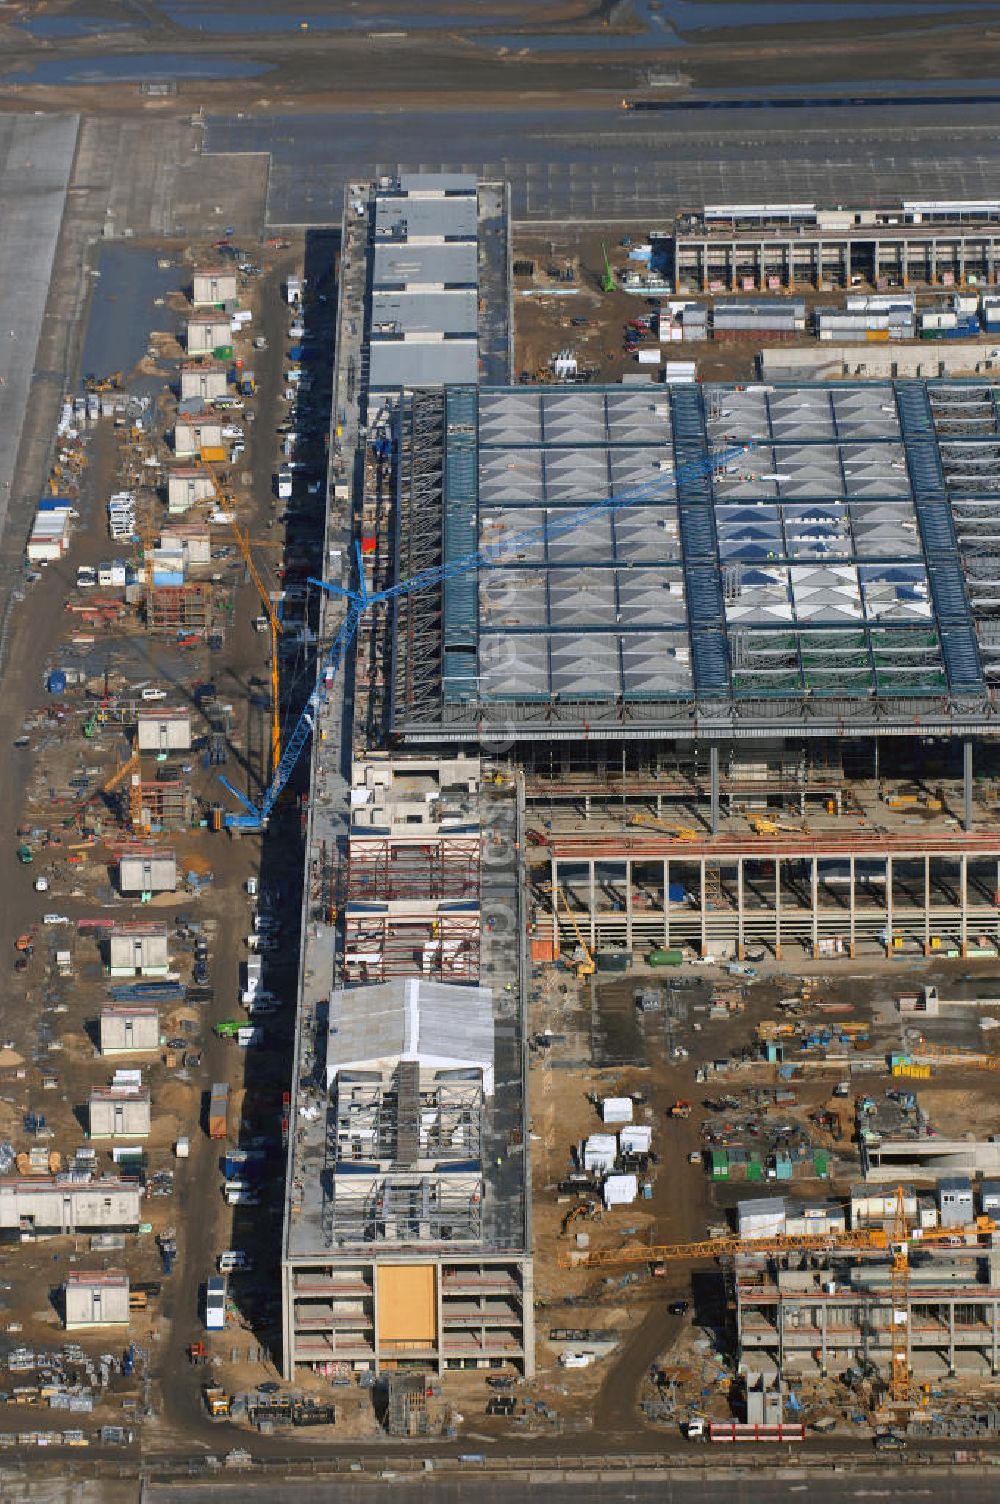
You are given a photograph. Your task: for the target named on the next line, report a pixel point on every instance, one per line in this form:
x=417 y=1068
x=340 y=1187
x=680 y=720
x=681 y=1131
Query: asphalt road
x=833 y=1488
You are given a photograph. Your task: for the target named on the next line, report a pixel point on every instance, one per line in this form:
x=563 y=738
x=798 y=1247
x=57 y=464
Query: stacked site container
x=777 y=318
x=865 y=324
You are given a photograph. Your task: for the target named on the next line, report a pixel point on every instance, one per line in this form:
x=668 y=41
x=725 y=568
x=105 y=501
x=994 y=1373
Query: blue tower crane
x=360 y=601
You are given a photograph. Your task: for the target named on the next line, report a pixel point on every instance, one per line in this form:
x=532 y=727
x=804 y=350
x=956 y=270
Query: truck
x=215 y=1304
x=218 y=1110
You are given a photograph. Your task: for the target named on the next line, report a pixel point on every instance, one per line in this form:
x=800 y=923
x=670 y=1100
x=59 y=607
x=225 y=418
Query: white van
x=235 y=1259
x=154 y=694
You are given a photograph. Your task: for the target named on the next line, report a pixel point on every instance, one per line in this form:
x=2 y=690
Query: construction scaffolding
x=401 y=1120
x=173 y=609
x=442 y=944
x=418 y=545
x=431 y=866
x=161 y=805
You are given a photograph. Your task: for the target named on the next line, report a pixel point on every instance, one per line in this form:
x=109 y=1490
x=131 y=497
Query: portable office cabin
x=150 y=870
x=91 y=1300
x=119 y=1112
x=163 y=730
x=138 y=948
x=205 y=379
x=212 y=286
x=129 y=1028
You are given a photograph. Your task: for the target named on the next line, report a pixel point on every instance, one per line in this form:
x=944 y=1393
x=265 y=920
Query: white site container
x=637 y=1139
x=600 y=1152
x=620 y=1190
x=616 y=1110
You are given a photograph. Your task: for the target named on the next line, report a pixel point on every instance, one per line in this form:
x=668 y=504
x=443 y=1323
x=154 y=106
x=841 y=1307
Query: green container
x=223 y=352
x=755 y=1170
x=720 y=1164
x=821 y=1163
x=665 y=957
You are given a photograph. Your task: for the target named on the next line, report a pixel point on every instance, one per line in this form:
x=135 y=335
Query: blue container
x=676 y=893
x=56 y=684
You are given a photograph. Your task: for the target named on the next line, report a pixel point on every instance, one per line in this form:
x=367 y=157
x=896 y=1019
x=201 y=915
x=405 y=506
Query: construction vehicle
x=25 y=855
x=226 y=505
x=217 y=1401
x=197 y=1354
x=607 y=276
x=679 y=832
x=582 y=1211
x=229 y=1028
x=680 y=1109
x=583 y=962
x=764 y=825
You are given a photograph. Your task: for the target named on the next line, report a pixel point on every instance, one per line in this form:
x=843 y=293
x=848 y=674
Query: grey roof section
x=438 y=182
x=815 y=556
x=453 y=264
x=410 y=1018
x=403 y=218
x=452 y=312
x=398 y=363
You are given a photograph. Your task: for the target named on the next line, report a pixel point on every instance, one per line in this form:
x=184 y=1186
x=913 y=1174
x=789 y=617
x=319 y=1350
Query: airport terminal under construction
x=652 y=674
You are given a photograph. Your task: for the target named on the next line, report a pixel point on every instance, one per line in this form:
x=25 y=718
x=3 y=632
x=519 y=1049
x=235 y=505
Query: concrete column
x=951 y=1339
x=666 y=905
x=927 y=905
x=554 y=879
x=932 y=275
x=851 y=912
x=592 y=901
x=732 y=266
x=967 y=783
x=740 y=942
x=888 y=905
x=995 y=1318
x=528 y=1316
x=823 y=1355
x=713 y=773
x=777 y=908
x=963 y=899
x=704 y=912
x=814 y=885
x=288 y=1325
x=628 y=904
x=439 y=1294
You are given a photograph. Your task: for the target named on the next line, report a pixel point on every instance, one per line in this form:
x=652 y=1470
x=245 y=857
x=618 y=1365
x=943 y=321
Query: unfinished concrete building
x=787 y=595
x=405 y=1231
x=750 y=247
x=138 y=949
x=119 y=1112
x=811 y=1316
x=59 y=1204
x=95 y=1300
x=129 y=1028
